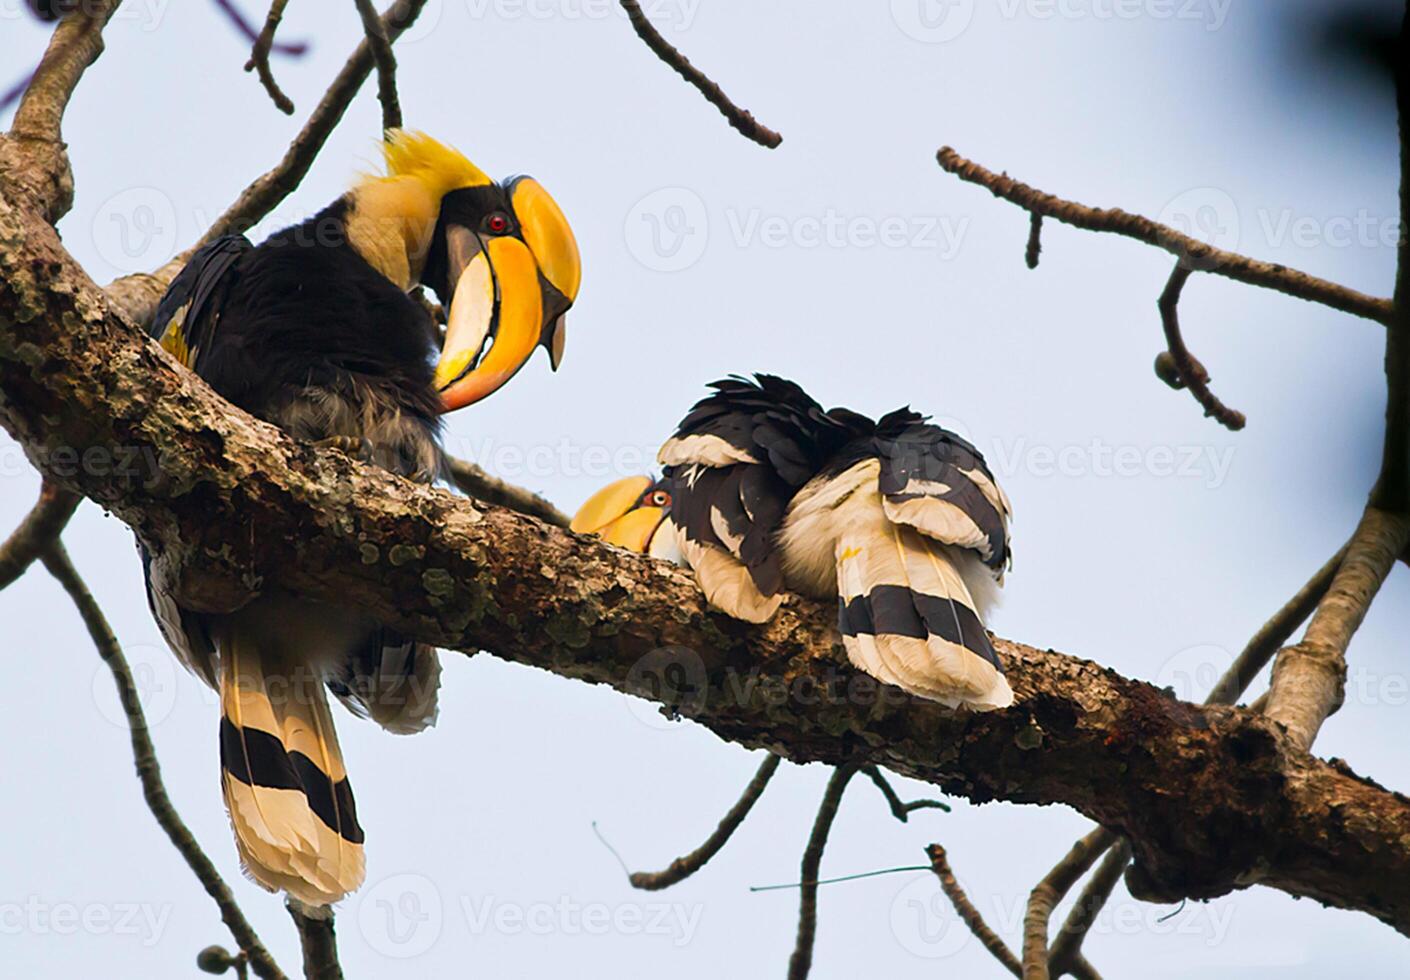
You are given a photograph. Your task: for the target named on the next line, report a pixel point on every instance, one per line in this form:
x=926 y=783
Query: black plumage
x=899 y=518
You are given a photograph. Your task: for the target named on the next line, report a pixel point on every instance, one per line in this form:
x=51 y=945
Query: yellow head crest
x=437 y=166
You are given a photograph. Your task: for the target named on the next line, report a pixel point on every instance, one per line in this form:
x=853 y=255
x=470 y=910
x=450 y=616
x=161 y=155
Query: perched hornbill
x=899 y=519
x=632 y=513
x=314 y=331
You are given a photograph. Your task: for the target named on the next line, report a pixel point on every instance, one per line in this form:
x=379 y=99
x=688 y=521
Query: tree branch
x=1199 y=254
x=259 y=58
x=1066 y=950
x=386 y=63
x=1213 y=799
x=969 y=915
x=741 y=119
x=475 y=482
x=899 y=809
x=1048 y=892
x=683 y=867
x=1192 y=374
x=1309 y=678
x=56 y=560
x=138 y=295
x=39 y=529
x=320 y=945
x=801 y=962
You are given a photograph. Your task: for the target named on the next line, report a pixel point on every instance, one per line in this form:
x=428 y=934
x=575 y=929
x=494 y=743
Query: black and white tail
x=282 y=773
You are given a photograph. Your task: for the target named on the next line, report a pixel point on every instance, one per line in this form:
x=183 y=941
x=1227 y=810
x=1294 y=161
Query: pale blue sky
x=1146 y=537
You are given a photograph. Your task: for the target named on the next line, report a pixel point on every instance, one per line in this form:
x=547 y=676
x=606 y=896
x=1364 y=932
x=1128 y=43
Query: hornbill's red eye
x=497 y=223
x=659 y=498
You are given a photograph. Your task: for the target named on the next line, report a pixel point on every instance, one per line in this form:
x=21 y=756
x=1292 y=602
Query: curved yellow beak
x=608 y=504
x=510 y=295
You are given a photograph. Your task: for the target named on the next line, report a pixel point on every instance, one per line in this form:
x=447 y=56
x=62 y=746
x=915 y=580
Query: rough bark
x=1212 y=798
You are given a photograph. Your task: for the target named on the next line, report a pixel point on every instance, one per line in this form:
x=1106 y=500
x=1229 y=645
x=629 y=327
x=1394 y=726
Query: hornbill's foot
x=354 y=446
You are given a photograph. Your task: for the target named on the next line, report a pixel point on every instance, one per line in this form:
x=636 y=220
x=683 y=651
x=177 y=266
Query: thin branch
x=683 y=867
x=242 y=24
x=56 y=560
x=1309 y=678
x=1035 y=240
x=801 y=962
x=1049 y=892
x=138 y=295
x=1273 y=634
x=1191 y=372
x=1066 y=950
x=475 y=482
x=259 y=55
x=386 y=64
x=969 y=915
x=1206 y=257
x=319 y=942
x=900 y=809
x=39 y=529
x=741 y=119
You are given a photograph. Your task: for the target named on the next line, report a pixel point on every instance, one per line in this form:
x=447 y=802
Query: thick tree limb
x=1212 y=799
x=149 y=772
x=969 y=915
x=683 y=867
x=1309 y=679
x=741 y=119
x=39 y=529
x=475 y=482
x=33 y=160
x=1207 y=258
x=801 y=962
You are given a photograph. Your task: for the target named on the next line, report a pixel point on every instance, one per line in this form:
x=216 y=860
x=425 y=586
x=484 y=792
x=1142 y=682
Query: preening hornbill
x=899 y=519
x=314 y=331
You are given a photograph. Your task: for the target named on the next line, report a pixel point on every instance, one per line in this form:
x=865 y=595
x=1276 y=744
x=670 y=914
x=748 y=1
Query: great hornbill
x=899 y=519
x=314 y=331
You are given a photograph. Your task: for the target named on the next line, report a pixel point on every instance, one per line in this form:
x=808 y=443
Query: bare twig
x=1035 y=240
x=386 y=64
x=1309 y=678
x=475 y=482
x=1067 y=948
x=1191 y=372
x=801 y=962
x=741 y=119
x=56 y=560
x=1049 y=892
x=1206 y=257
x=685 y=866
x=320 y=945
x=138 y=295
x=969 y=915
x=247 y=30
x=259 y=57
x=39 y=529
x=899 y=808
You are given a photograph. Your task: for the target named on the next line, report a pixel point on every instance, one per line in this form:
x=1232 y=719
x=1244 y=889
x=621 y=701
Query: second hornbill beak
x=626 y=513
x=510 y=288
